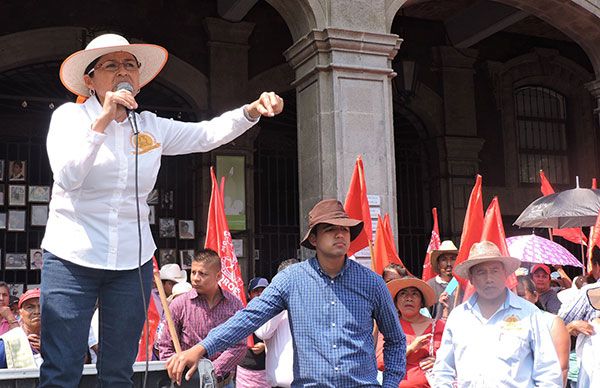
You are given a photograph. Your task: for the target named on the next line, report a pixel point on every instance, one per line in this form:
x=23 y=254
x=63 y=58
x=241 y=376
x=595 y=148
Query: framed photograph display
x=15 y=261
x=35 y=259
x=16 y=170
x=153 y=197
x=16 y=289
x=39 y=215
x=232 y=167
x=185 y=258
x=16 y=220
x=166 y=227
x=2 y=220
x=166 y=200
x=39 y=193
x=167 y=256
x=186 y=229
x=152 y=215
x=16 y=195
x=1 y=170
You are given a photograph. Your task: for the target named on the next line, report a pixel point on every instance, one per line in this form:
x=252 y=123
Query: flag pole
x=369 y=238
x=168 y=317
x=582 y=250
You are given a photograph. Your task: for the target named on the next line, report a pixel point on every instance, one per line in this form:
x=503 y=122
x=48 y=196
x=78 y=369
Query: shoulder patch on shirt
x=146 y=141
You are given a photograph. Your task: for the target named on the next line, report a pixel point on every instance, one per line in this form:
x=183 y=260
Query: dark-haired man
x=203 y=308
x=331 y=303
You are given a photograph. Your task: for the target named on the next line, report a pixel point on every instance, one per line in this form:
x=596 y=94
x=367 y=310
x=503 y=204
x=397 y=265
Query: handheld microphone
x=130 y=113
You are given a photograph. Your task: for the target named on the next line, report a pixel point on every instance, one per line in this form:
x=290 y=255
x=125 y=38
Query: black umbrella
x=567 y=209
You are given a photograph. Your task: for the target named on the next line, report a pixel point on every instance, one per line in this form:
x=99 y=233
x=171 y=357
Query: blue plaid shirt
x=331 y=320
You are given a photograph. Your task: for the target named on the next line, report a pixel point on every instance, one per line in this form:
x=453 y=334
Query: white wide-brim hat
x=173 y=272
x=151 y=57
x=482 y=252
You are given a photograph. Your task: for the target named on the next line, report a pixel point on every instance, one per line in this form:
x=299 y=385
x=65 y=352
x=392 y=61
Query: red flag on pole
x=357 y=207
x=594 y=241
x=571 y=234
x=153 y=322
x=219 y=240
x=472 y=227
x=384 y=250
x=434 y=244
x=493 y=230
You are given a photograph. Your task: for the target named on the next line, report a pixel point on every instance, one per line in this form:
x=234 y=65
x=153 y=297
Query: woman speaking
x=91 y=241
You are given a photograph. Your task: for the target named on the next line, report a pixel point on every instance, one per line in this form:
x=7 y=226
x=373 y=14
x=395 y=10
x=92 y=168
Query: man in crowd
x=540 y=274
x=30 y=327
x=277 y=335
x=331 y=302
x=203 y=308
x=495 y=338
x=7 y=317
x=171 y=274
x=442 y=262
x=251 y=371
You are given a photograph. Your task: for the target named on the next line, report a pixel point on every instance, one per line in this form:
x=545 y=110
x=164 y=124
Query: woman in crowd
x=560 y=336
x=423 y=334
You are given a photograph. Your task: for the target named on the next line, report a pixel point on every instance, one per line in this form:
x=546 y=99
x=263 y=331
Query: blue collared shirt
x=331 y=320
x=511 y=349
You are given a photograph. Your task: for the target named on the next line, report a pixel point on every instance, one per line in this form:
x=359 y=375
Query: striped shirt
x=331 y=319
x=580 y=309
x=193 y=320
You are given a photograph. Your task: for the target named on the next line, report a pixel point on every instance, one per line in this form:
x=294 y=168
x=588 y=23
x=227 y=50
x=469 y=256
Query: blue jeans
x=68 y=299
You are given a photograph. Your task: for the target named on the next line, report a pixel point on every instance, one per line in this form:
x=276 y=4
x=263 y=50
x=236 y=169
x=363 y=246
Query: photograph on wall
x=15 y=261
x=39 y=215
x=166 y=200
x=16 y=195
x=16 y=289
x=35 y=259
x=1 y=195
x=39 y=193
x=186 y=256
x=1 y=170
x=31 y=286
x=232 y=168
x=186 y=229
x=167 y=256
x=16 y=170
x=166 y=227
x=16 y=220
x=152 y=215
x=152 y=197
x=2 y=220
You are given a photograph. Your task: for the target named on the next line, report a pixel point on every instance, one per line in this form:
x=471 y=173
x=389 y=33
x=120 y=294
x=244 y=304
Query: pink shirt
x=193 y=320
x=4 y=326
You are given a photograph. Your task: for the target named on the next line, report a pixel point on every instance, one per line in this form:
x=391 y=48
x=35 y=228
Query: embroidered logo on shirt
x=512 y=322
x=146 y=141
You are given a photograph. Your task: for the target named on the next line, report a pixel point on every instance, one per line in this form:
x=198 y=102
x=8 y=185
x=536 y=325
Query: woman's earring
x=92 y=92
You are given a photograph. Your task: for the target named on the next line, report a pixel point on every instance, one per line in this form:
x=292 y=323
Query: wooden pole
x=582 y=250
x=168 y=317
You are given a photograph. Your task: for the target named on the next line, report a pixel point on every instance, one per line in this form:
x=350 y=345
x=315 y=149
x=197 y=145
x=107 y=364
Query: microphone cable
x=134 y=127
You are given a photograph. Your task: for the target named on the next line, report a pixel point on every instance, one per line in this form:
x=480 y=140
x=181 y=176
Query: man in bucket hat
x=495 y=338
x=331 y=301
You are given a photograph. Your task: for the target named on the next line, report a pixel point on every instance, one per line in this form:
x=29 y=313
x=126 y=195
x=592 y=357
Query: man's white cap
x=173 y=272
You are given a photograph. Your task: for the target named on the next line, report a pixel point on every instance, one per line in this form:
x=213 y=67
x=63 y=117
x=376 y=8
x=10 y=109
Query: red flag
x=472 y=228
x=594 y=241
x=153 y=322
x=594 y=183
x=357 y=207
x=384 y=250
x=571 y=234
x=493 y=230
x=218 y=239
x=434 y=244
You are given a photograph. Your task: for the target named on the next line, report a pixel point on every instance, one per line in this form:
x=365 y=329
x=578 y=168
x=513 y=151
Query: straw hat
x=330 y=211
x=483 y=252
x=397 y=285
x=151 y=57
x=446 y=247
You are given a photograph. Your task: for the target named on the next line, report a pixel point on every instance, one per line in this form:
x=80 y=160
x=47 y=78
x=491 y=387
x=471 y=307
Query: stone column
x=594 y=88
x=344 y=104
x=460 y=145
x=228 y=51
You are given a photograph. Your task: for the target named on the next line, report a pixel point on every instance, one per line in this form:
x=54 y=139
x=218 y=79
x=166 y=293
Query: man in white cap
x=171 y=274
x=495 y=338
x=442 y=262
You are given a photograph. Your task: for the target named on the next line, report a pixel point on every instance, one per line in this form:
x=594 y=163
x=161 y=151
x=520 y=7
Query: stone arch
x=56 y=43
x=578 y=19
x=301 y=16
